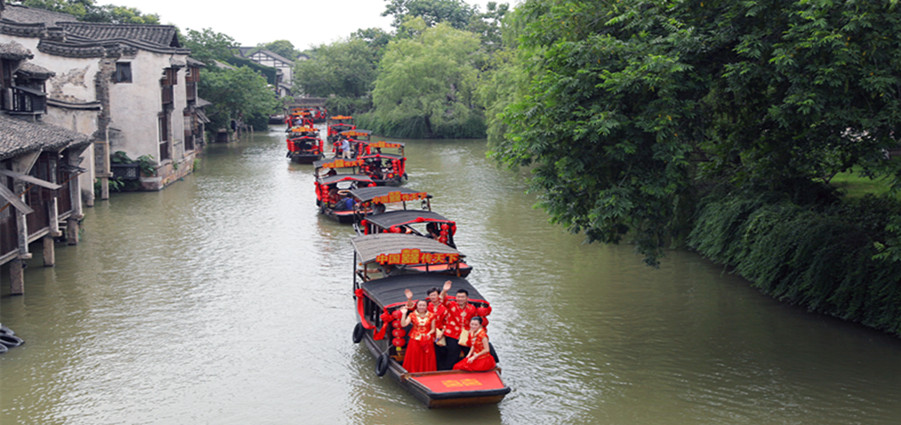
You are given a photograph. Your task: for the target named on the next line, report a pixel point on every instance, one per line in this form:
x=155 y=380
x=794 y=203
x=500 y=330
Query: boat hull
x=440 y=389
x=302 y=158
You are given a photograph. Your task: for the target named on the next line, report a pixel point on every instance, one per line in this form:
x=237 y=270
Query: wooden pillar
x=21 y=222
x=49 y=251
x=16 y=277
x=72 y=231
x=104 y=188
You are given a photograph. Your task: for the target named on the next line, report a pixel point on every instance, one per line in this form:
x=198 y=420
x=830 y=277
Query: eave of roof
x=20 y=136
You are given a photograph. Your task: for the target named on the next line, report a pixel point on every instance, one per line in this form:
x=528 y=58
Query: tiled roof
x=247 y=52
x=14 y=51
x=163 y=35
x=27 y=15
x=35 y=71
x=21 y=136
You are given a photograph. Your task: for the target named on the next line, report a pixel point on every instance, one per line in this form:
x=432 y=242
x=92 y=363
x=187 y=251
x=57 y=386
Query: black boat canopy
x=390 y=290
x=388 y=194
x=370 y=247
x=399 y=217
x=345 y=177
x=381 y=155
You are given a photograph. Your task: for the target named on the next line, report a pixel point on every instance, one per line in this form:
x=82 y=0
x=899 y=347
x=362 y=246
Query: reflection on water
x=226 y=299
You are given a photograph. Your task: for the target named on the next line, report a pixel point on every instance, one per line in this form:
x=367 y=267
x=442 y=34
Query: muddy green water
x=226 y=299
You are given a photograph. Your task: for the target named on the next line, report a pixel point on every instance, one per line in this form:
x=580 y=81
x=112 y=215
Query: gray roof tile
x=162 y=35
x=14 y=51
x=21 y=136
x=27 y=15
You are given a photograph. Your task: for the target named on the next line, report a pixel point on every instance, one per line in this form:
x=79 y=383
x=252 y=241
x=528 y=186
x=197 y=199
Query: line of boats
x=400 y=244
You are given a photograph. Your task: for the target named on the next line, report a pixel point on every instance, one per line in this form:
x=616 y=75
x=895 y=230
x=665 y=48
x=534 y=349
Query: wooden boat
x=338 y=123
x=377 y=304
x=371 y=264
x=332 y=187
x=304 y=145
x=379 y=198
x=385 y=162
x=358 y=140
x=427 y=224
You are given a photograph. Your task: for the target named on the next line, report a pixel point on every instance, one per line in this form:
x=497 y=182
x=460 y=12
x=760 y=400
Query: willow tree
x=426 y=85
x=627 y=105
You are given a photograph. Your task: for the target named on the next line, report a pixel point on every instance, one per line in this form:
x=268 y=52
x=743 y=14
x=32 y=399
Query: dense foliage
x=426 y=86
x=283 y=48
x=237 y=93
x=823 y=259
x=89 y=11
x=343 y=71
x=630 y=106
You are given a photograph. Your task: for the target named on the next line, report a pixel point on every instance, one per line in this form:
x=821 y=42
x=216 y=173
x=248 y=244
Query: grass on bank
x=853 y=185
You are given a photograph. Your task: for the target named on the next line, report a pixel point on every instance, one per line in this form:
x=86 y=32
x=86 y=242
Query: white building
x=284 y=67
x=131 y=87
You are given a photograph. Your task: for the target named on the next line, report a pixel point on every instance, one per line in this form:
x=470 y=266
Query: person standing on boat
x=479 y=358
x=420 y=355
x=456 y=328
x=436 y=306
x=345 y=147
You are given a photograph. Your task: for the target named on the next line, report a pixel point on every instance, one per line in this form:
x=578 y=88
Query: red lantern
x=399 y=332
x=484 y=311
x=484 y=322
x=397 y=314
x=396 y=324
x=398 y=342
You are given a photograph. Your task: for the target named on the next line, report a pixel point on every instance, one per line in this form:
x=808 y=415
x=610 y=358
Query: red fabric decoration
x=484 y=322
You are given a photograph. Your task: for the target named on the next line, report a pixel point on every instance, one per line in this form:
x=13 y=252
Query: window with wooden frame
x=164 y=136
x=123 y=72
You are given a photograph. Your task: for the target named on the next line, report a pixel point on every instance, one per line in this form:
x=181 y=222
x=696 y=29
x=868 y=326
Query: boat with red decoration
x=379 y=295
x=338 y=123
x=384 y=162
x=422 y=223
x=358 y=140
x=304 y=145
x=332 y=187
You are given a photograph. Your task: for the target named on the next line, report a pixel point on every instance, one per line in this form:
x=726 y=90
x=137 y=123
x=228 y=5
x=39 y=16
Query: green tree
x=236 y=93
x=426 y=86
x=343 y=69
x=625 y=106
x=208 y=46
x=456 y=13
x=87 y=10
x=283 y=48
x=119 y=15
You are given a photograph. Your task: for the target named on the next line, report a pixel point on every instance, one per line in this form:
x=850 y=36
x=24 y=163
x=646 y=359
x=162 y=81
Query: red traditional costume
x=457 y=318
x=420 y=356
x=440 y=313
x=481 y=363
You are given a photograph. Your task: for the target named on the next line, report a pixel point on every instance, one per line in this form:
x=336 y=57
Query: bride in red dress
x=420 y=356
x=479 y=358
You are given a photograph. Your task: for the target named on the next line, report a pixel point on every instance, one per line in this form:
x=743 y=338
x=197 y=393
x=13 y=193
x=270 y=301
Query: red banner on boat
x=343 y=163
x=461 y=381
x=399 y=197
x=384 y=144
x=415 y=256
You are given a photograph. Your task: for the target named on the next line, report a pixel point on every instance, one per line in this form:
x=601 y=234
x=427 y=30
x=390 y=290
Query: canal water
x=226 y=299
